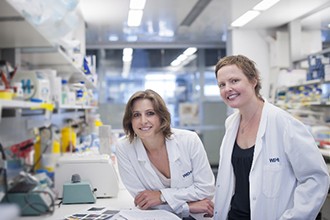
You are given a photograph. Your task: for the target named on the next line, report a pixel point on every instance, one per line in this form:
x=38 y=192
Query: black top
x=240 y=203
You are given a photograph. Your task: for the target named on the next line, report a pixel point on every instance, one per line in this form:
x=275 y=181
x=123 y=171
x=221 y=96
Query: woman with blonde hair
x=270 y=167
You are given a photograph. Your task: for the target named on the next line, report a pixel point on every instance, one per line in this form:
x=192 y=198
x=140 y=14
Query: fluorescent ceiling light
x=127 y=51
x=113 y=37
x=127 y=58
x=175 y=63
x=181 y=58
x=137 y=4
x=265 y=4
x=132 y=38
x=127 y=55
x=190 y=51
x=184 y=56
x=134 y=18
x=245 y=18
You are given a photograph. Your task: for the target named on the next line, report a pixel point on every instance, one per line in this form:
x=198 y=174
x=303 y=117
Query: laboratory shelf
x=304 y=58
x=17 y=104
x=26 y=104
x=48 y=56
x=55 y=58
x=76 y=107
x=37 y=51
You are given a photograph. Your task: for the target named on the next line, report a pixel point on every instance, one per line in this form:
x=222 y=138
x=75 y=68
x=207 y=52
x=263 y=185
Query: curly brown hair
x=159 y=107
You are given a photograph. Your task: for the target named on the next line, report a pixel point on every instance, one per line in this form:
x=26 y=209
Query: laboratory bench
x=123 y=201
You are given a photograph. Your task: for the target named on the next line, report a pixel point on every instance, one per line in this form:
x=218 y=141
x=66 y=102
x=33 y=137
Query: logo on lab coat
x=274 y=160
x=187 y=174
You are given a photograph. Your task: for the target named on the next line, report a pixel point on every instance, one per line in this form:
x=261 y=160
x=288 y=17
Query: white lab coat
x=288 y=178
x=191 y=176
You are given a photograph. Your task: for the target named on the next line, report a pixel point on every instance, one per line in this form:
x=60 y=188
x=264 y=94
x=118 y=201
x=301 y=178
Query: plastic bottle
x=80 y=91
x=37 y=154
x=95 y=132
x=68 y=138
x=49 y=160
x=65 y=92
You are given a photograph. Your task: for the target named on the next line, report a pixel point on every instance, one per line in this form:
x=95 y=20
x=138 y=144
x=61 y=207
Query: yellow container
x=39 y=163
x=68 y=139
x=6 y=95
x=37 y=155
x=56 y=147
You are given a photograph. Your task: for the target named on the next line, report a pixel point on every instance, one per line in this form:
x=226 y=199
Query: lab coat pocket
x=272 y=175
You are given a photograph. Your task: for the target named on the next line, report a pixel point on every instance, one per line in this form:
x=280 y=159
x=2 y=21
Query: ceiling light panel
x=128 y=51
x=134 y=18
x=190 y=51
x=265 y=4
x=245 y=18
x=137 y=4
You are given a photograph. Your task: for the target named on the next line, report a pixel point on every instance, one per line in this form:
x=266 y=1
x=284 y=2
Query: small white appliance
x=97 y=169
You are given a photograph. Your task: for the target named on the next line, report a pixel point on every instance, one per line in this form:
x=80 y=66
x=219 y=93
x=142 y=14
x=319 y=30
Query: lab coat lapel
x=228 y=141
x=174 y=159
x=143 y=157
x=260 y=133
x=172 y=150
x=232 y=133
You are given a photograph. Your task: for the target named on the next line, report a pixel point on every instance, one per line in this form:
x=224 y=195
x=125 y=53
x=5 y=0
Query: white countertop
x=123 y=201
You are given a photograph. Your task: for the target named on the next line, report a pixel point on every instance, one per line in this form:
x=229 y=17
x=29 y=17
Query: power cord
x=37 y=205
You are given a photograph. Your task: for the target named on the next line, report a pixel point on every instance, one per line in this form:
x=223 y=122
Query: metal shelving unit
x=18 y=118
x=317 y=108
x=55 y=58
x=35 y=49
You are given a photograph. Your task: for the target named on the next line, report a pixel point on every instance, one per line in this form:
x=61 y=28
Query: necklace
x=242 y=128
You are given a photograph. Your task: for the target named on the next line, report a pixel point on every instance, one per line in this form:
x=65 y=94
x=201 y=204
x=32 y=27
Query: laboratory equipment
x=97 y=169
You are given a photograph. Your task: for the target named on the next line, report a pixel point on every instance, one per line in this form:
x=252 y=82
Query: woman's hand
x=147 y=199
x=202 y=206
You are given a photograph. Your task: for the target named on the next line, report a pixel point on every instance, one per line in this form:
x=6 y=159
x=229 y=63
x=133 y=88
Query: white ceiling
x=162 y=18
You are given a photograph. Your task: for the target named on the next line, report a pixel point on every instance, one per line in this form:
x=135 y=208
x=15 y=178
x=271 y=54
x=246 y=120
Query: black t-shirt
x=240 y=203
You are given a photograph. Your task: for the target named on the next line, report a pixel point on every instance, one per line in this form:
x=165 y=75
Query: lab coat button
x=254 y=198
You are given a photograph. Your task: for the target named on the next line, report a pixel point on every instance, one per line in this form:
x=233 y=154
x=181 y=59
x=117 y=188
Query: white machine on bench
x=97 y=169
